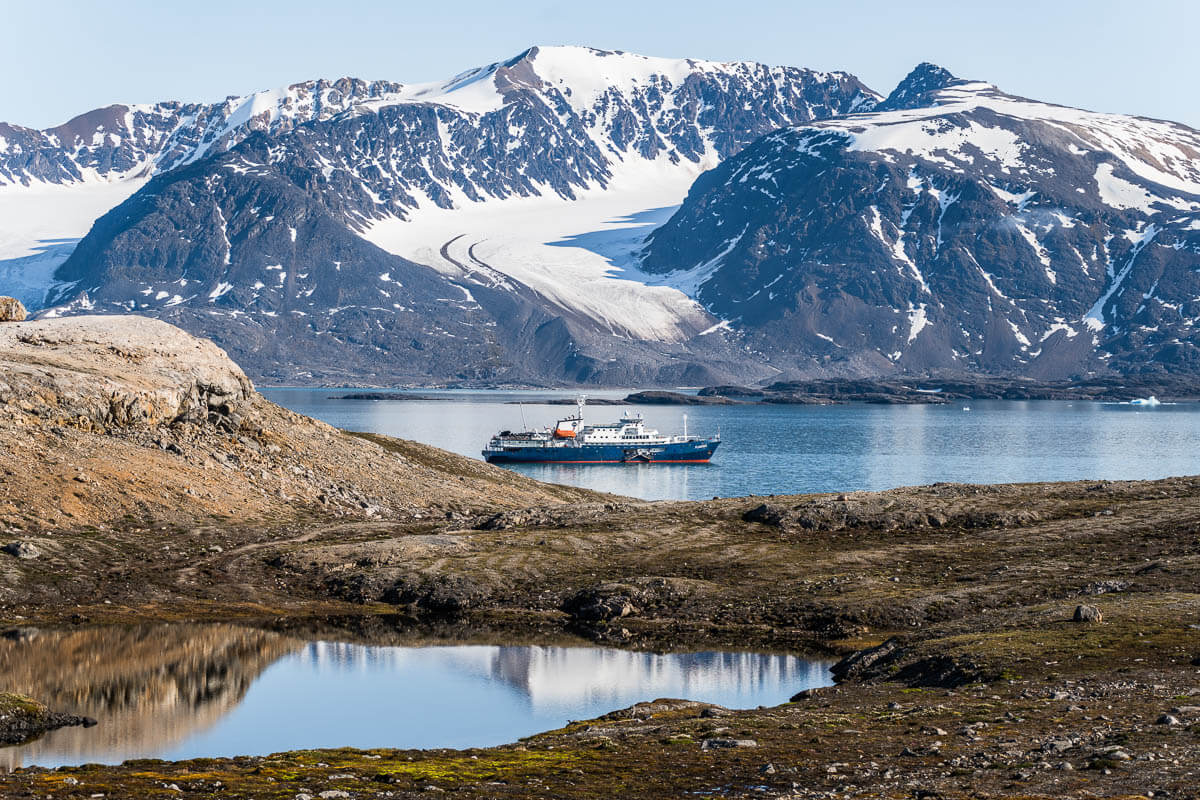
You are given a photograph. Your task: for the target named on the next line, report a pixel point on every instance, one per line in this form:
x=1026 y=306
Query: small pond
x=184 y=691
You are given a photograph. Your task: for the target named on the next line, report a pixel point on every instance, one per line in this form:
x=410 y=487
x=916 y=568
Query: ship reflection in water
x=219 y=690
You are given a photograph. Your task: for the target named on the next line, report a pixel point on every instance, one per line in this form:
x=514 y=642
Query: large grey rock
x=721 y=743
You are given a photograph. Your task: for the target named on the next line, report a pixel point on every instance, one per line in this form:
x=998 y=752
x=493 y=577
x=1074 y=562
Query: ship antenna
x=581 y=401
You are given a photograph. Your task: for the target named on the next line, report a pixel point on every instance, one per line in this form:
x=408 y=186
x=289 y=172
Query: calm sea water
x=774 y=449
x=222 y=691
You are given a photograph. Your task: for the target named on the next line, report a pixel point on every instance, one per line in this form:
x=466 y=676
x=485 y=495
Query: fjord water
x=782 y=449
x=186 y=691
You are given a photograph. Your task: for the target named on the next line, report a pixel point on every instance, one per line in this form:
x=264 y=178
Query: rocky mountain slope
x=107 y=420
x=277 y=223
x=953 y=227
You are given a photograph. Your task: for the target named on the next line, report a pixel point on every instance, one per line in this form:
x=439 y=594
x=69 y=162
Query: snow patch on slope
x=1094 y=319
x=1120 y=193
x=40 y=225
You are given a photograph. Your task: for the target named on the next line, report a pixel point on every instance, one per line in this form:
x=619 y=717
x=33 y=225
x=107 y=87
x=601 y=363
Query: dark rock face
x=861 y=662
x=439 y=594
x=893 y=661
x=957 y=228
x=919 y=88
x=248 y=233
x=601 y=603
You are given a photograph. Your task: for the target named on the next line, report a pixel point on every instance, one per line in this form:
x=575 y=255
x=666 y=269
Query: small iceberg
x=1145 y=401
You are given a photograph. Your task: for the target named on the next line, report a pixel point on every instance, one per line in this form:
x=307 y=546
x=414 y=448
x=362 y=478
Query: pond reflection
x=153 y=687
x=183 y=691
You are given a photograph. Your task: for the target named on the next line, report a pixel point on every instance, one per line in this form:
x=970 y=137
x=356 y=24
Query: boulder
x=721 y=743
x=22 y=550
x=858 y=663
x=440 y=594
x=766 y=514
x=602 y=603
x=11 y=310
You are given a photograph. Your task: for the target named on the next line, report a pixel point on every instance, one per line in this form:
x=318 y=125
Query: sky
x=63 y=57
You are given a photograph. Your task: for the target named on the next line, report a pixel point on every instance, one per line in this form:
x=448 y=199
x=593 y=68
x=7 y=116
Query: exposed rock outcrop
x=110 y=372
x=107 y=418
x=11 y=310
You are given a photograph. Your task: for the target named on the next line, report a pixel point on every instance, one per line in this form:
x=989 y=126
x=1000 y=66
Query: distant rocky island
x=884 y=391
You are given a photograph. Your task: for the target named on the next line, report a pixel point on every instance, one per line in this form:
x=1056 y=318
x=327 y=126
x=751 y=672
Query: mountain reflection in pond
x=184 y=691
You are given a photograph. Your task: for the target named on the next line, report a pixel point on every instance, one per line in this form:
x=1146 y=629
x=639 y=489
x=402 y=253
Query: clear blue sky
x=62 y=57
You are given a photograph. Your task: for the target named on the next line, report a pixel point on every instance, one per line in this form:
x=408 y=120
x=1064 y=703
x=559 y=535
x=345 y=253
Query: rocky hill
x=108 y=420
x=953 y=227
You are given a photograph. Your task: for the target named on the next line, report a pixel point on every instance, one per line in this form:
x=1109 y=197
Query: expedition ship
x=627 y=441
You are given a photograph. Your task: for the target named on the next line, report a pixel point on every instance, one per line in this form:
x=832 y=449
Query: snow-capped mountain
x=952 y=227
x=522 y=222
x=118 y=140
x=55 y=183
x=473 y=228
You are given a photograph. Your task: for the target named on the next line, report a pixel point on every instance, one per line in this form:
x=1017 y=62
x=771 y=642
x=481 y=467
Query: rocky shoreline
x=898 y=391
x=23 y=719
x=1031 y=640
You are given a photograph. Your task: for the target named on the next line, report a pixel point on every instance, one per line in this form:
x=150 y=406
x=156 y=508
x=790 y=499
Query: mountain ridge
x=228 y=239
x=517 y=223
x=976 y=231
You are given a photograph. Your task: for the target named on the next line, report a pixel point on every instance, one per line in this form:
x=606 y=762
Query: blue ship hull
x=697 y=451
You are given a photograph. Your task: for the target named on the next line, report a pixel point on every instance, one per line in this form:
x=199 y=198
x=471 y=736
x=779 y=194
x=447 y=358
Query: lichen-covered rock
x=11 y=310
x=859 y=663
